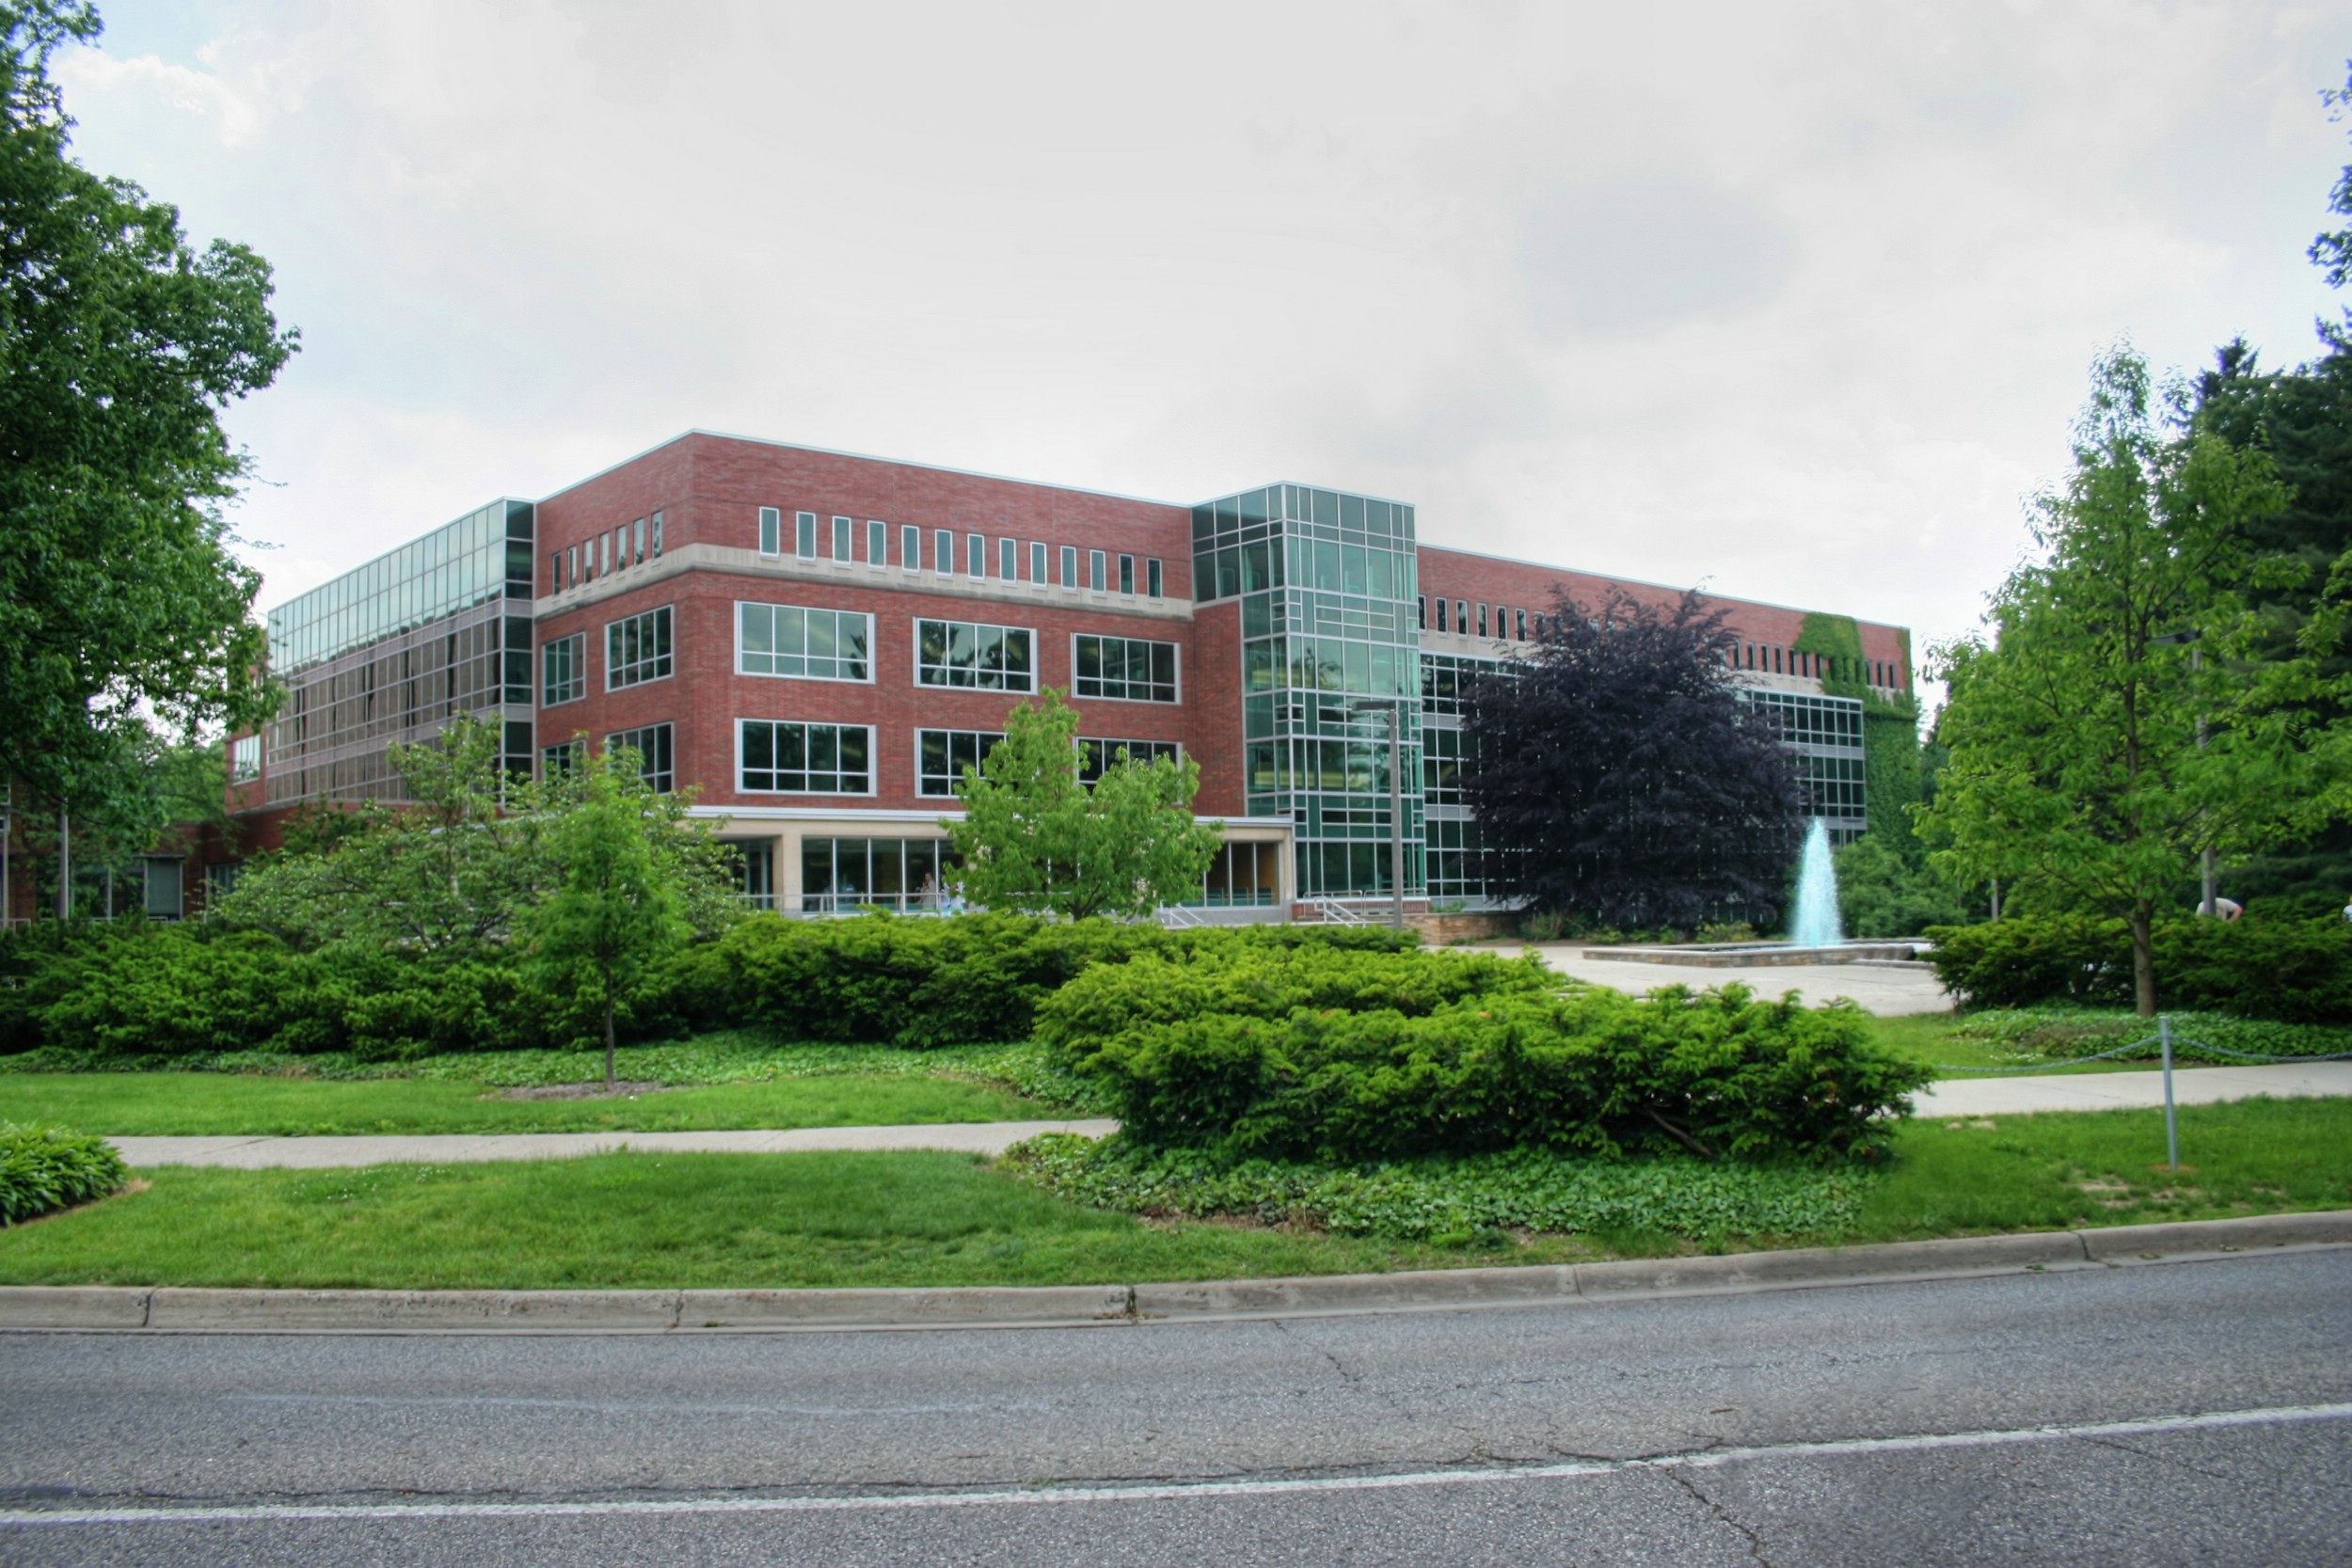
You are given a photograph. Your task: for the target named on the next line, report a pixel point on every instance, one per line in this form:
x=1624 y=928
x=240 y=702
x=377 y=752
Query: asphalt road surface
x=2191 y=1413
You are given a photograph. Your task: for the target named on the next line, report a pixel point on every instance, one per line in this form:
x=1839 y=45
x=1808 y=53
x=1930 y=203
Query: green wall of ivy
x=1890 y=728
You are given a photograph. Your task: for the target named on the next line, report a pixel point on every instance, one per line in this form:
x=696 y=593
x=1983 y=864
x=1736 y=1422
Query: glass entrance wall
x=840 y=875
x=1331 y=642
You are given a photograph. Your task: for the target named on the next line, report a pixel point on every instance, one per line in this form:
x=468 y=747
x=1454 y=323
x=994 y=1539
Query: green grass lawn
x=941 y=1219
x=131 y=1103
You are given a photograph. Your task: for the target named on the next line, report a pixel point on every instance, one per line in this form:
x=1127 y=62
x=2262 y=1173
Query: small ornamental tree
x=618 y=904
x=1618 y=776
x=1035 y=838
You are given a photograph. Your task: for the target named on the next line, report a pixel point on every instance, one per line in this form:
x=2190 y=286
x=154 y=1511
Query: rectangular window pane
x=1126 y=574
x=786 y=758
x=976 y=555
x=653 y=746
x=637 y=542
x=841 y=533
x=1037 y=562
x=911 y=548
x=1097 y=565
x=1070 y=565
x=804 y=535
x=637 y=649
x=878 y=544
x=564 y=670
x=942 y=552
x=1153 y=583
x=942 y=756
x=1008 y=560
x=1125 y=669
x=803 y=643
x=972 y=654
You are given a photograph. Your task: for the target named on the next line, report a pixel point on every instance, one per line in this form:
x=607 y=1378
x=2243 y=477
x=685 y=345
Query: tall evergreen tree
x=1619 y=775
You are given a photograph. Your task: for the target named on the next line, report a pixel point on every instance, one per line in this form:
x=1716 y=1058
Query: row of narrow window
x=630 y=544
x=813 y=541
x=1512 y=625
x=1765 y=657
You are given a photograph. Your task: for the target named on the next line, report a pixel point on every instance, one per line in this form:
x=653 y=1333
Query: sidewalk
x=2019 y=1096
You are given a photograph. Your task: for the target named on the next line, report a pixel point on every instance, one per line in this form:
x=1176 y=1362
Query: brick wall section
x=1215 y=697
x=1477 y=580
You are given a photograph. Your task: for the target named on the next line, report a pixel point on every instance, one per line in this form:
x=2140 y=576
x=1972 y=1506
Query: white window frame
x=976 y=555
x=741 y=604
x=1070 y=568
x=1008 y=559
x=916 y=735
x=877 y=543
x=1176 y=701
x=1037 y=561
x=915 y=643
x=943 y=552
x=844 y=538
x=873 y=761
x=804 y=535
x=910 y=547
x=1097 y=571
x=670 y=673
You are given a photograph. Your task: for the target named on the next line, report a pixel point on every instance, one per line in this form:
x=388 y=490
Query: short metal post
x=2171 y=1128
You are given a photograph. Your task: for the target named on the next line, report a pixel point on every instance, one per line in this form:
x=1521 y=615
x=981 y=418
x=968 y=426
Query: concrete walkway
x=1989 y=1097
x=1886 y=990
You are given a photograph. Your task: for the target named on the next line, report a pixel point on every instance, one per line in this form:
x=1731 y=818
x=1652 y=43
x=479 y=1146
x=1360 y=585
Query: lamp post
x=1393 y=708
x=2208 y=908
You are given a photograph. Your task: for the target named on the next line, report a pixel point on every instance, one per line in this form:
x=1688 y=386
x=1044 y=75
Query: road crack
x=1722 y=1515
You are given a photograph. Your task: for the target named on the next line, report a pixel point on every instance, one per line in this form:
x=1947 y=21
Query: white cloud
x=1797 y=299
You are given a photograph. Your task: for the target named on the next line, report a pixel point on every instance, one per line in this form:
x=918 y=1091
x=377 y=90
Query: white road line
x=1172 y=1491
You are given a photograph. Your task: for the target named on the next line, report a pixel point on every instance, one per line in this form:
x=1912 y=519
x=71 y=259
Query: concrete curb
x=83 y=1309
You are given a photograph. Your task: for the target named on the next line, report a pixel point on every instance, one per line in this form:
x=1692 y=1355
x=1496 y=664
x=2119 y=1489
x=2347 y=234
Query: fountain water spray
x=1816 y=923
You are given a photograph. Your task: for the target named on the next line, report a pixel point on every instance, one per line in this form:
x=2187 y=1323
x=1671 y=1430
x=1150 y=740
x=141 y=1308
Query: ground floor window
x=1243 y=875
x=842 y=875
x=755 y=867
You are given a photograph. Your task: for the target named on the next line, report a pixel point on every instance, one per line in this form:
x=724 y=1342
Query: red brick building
x=814 y=642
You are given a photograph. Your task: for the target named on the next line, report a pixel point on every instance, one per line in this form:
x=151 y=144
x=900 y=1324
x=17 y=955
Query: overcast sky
x=1796 y=301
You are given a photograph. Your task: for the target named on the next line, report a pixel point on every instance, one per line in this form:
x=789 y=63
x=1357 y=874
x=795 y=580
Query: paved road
x=2195 y=1413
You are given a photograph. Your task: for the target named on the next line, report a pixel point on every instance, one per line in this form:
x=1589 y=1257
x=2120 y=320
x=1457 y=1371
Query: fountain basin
x=1766 y=955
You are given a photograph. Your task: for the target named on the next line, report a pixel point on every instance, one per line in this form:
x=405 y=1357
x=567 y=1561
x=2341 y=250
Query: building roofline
x=861 y=457
x=1645 y=582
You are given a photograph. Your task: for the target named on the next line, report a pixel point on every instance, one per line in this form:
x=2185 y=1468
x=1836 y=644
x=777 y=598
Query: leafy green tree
x=120 y=602
x=618 y=905
x=2095 y=750
x=1034 y=839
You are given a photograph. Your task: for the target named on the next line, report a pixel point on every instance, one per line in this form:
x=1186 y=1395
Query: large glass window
x=754 y=864
x=808 y=644
x=966 y=653
x=652 y=744
x=786 y=758
x=839 y=876
x=1098 y=754
x=942 y=756
x=245 y=759
x=564 y=670
x=637 y=650
x=1127 y=669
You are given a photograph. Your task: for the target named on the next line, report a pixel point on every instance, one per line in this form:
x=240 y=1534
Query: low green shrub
x=47 y=1168
x=1351 y=1057
x=1451 y=1199
x=2287 y=970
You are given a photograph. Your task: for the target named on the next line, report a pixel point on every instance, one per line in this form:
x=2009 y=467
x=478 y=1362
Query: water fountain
x=1816 y=922
x=1815 y=935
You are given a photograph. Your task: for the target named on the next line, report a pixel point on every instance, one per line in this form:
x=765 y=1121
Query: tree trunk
x=608 y=1032
x=2144 y=959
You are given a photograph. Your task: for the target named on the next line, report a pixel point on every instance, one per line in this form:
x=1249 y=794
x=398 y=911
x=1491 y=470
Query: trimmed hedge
x=1341 y=1057
x=2288 y=971
x=47 y=1168
x=139 y=991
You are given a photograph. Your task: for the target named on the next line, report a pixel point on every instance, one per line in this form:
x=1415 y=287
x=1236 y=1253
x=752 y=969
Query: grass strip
x=177 y=1103
x=918 y=1218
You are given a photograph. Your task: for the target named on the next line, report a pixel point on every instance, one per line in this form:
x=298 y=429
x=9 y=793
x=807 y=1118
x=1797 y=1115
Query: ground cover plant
x=1342 y=1057
x=47 y=1168
x=905 y=1219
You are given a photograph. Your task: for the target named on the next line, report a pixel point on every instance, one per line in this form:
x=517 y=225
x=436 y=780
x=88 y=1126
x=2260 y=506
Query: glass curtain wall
x=1326 y=584
x=1825 y=733
x=390 y=651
